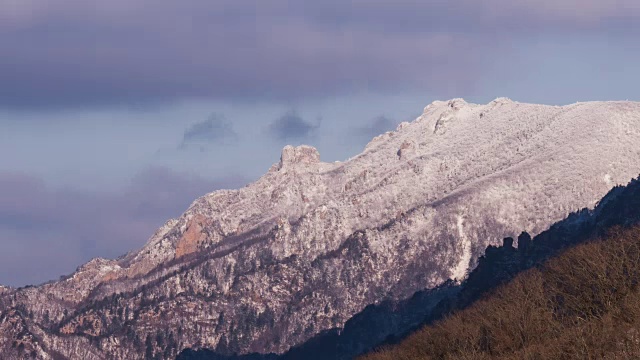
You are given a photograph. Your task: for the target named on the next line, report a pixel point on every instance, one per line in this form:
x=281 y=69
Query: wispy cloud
x=375 y=127
x=291 y=126
x=215 y=130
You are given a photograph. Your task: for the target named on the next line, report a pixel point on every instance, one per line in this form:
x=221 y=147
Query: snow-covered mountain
x=309 y=244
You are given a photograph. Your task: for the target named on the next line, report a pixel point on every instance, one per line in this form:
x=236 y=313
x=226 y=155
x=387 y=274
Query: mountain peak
x=502 y=100
x=455 y=103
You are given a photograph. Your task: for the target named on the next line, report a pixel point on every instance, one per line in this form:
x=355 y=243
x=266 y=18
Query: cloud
x=292 y=126
x=80 y=53
x=48 y=232
x=215 y=130
x=375 y=127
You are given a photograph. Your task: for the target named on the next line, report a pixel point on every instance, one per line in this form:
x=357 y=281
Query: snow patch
x=502 y=100
x=402 y=125
x=460 y=272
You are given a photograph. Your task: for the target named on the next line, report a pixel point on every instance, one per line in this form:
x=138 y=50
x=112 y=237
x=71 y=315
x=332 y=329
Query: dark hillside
x=583 y=304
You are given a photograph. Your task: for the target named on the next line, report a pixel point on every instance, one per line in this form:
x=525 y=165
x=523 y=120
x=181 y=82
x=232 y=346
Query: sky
x=116 y=115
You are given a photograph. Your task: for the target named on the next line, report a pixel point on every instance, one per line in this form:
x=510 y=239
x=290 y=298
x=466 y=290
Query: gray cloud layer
x=83 y=53
x=48 y=232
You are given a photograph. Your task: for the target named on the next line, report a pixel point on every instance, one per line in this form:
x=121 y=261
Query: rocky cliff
x=310 y=244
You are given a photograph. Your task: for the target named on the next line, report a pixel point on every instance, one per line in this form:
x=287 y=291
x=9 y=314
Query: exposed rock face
x=193 y=236
x=292 y=156
x=308 y=245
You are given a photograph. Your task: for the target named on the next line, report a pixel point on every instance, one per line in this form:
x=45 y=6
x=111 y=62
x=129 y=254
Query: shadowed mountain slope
x=582 y=303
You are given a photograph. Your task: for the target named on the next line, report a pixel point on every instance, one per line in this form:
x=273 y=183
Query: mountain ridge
x=389 y=322
x=309 y=244
x=289 y=157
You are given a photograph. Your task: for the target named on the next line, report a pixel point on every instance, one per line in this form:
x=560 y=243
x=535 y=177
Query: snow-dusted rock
x=310 y=243
x=295 y=156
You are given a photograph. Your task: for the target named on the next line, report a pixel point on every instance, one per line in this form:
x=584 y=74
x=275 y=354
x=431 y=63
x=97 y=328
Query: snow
x=516 y=166
x=460 y=271
x=551 y=156
x=607 y=179
x=420 y=204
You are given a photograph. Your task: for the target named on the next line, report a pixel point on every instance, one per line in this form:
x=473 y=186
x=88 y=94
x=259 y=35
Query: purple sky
x=115 y=115
x=78 y=53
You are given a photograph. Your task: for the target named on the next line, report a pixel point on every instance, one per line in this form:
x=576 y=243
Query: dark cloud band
x=90 y=53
